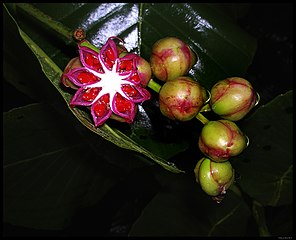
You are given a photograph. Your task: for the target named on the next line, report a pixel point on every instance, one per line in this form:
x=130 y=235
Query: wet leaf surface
x=266 y=165
x=135 y=20
x=270 y=73
x=182 y=209
x=49 y=171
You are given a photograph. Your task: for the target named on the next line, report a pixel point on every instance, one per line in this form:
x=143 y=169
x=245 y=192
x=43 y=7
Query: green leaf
x=53 y=73
x=49 y=171
x=266 y=166
x=183 y=209
x=280 y=220
x=223 y=48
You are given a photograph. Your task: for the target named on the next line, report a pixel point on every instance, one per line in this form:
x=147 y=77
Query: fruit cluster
x=182 y=98
x=111 y=82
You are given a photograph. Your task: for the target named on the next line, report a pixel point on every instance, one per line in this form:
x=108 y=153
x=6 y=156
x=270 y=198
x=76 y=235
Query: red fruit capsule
x=106 y=81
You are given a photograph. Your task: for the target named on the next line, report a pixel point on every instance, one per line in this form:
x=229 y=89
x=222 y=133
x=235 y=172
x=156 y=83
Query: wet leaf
x=136 y=24
x=222 y=47
x=183 y=209
x=266 y=166
x=53 y=73
x=49 y=171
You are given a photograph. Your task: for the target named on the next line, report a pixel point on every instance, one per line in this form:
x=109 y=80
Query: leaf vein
x=279 y=184
x=223 y=219
x=38 y=156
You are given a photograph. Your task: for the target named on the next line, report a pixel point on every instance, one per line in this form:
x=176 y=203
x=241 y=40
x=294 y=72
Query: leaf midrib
x=40 y=156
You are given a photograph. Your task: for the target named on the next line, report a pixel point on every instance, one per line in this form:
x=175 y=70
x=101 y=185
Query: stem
x=154 y=85
x=258 y=213
x=234 y=188
x=206 y=108
x=45 y=19
x=202 y=118
x=140 y=28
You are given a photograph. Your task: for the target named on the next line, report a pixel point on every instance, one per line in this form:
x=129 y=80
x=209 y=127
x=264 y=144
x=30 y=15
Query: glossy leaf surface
x=183 y=209
x=136 y=20
x=266 y=166
x=49 y=171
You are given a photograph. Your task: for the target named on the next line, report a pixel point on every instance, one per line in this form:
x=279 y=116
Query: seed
x=126 y=65
x=90 y=94
x=122 y=104
x=109 y=63
x=129 y=90
x=135 y=78
x=102 y=105
x=92 y=60
x=85 y=77
x=110 y=54
x=100 y=109
x=105 y=98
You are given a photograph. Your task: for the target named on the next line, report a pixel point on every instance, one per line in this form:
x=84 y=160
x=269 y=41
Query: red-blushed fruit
x=72 y=64
x=222 y=139
x=214 y=178
x=105 y=82
x=232 y=98
x=181 y=99
x=171 y=58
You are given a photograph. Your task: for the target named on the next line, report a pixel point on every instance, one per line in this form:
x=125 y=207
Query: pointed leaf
x=53 y=73
x=51 y=36
x=266 y=166
x=49 y=172
x=183 y=209
x=222 y=47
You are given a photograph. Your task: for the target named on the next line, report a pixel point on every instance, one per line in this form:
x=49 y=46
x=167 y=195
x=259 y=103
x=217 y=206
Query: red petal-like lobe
x=84 y=96
x=109 y=53
x=81 y=77
x=135 y=94
x=72 y=64
x=127 y=66
x=89 y=58
x=123 y=107
x=101 y=110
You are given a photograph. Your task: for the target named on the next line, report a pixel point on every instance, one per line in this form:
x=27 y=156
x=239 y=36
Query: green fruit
x=171 y=58
x=222 y=139
x=214 y=178
x=232 y=98
x=181 y=99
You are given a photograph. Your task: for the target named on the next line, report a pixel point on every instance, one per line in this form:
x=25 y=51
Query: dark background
x=272 y=25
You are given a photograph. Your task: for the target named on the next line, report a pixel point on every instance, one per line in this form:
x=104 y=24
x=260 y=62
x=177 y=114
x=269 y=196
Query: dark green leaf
x=181 y=208
x=49 y=172
x=223 y=49
x=53 y=73
x=266 y=166
x=280 y=220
